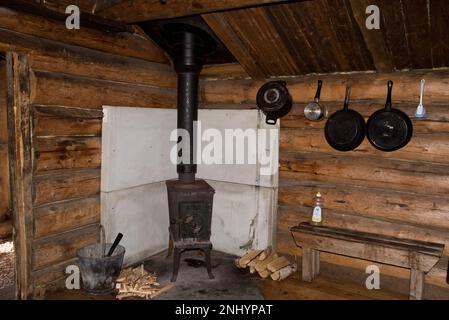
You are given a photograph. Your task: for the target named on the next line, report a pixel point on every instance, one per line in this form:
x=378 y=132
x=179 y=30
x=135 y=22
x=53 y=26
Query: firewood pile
x=267 y=263
x=137 y=282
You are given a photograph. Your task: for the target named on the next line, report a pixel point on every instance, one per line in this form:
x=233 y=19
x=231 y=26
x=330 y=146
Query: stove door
x=195 y=220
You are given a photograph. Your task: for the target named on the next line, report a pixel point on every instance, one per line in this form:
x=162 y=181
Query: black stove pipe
x=188 y=62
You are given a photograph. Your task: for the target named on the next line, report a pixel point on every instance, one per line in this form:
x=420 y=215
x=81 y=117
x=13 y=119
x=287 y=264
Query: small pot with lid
x=274 y=100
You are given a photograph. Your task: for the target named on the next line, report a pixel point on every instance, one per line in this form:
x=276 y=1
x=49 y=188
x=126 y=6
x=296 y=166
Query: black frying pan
x=345 y=129
x=389 y=129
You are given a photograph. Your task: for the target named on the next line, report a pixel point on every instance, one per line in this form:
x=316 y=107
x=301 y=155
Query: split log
x=263 y=266
x=284 y=272
x=278 y=264
x=264 y=274
x=265 y=254
x=252 y=254
x=237 y=263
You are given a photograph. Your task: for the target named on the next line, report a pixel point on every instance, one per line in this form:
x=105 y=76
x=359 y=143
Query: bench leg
x=310 y=264
x=416 y=284
x=316 y=263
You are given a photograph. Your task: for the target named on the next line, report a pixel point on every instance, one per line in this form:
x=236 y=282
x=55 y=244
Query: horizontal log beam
x=227 y=71
x=88 y=20
x=365 y=86
x=74 y=91
x=65 y=216
x=67 y=112
x=394 y=206
x=436 y=121
x=366 y=171
x=55 y=56
x=141 y=10
x=125 y=44
x=424 y=147
x=54 y=249
x=68 y=184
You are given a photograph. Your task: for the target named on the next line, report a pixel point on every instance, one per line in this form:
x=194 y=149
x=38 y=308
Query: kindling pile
x=137 y=282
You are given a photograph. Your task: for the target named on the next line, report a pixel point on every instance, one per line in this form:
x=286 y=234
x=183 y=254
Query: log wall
x=401 y=194
x=70 y=77
x=5 y=205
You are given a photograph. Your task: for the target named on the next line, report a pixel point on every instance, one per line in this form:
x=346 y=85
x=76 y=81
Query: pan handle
x=318 y=91
x=347 y=96
x=390 y=90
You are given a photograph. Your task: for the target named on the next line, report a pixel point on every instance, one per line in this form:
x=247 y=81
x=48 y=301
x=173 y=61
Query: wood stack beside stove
x=267 y=263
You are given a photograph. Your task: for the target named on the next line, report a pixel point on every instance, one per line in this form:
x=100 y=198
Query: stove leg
x=176 y=262
x=208 y=263
x=170 y=244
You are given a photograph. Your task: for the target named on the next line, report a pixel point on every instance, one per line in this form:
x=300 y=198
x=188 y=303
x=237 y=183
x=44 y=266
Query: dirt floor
x=7 y=270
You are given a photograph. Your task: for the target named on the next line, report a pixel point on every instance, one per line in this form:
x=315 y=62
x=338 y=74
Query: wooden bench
x=418 y=256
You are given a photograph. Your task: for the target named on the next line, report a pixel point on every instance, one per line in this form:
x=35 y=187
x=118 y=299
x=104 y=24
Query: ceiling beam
x=374 y=39
x=132 y=11
x=88 y=20
x=61 y=5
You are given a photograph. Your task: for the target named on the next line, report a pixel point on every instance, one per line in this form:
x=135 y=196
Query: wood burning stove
x=190 y=200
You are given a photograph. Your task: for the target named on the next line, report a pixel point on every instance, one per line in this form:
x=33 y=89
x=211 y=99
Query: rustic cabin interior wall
x=71 y=77
x=68 y=76
x=403 y=193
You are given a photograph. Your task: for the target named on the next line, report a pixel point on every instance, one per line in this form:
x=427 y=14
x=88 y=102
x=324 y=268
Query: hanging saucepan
x=314 y=111
x=345 y=129
x=389 y=129
x=274 y=100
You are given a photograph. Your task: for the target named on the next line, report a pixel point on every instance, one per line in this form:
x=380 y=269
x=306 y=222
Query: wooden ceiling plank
x=348 y=33
x=330 y=36
x=374 y=39
x=256 y=38
x=242 y=24
x=418 y=32
x=296 y=43
x=220 y=26
x=280 y=55
x=305 y=16
x=439 y=17
x=132 y=11
x=392 y=21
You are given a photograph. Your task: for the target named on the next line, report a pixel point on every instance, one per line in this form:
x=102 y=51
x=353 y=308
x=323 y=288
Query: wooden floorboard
x=322 y=288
